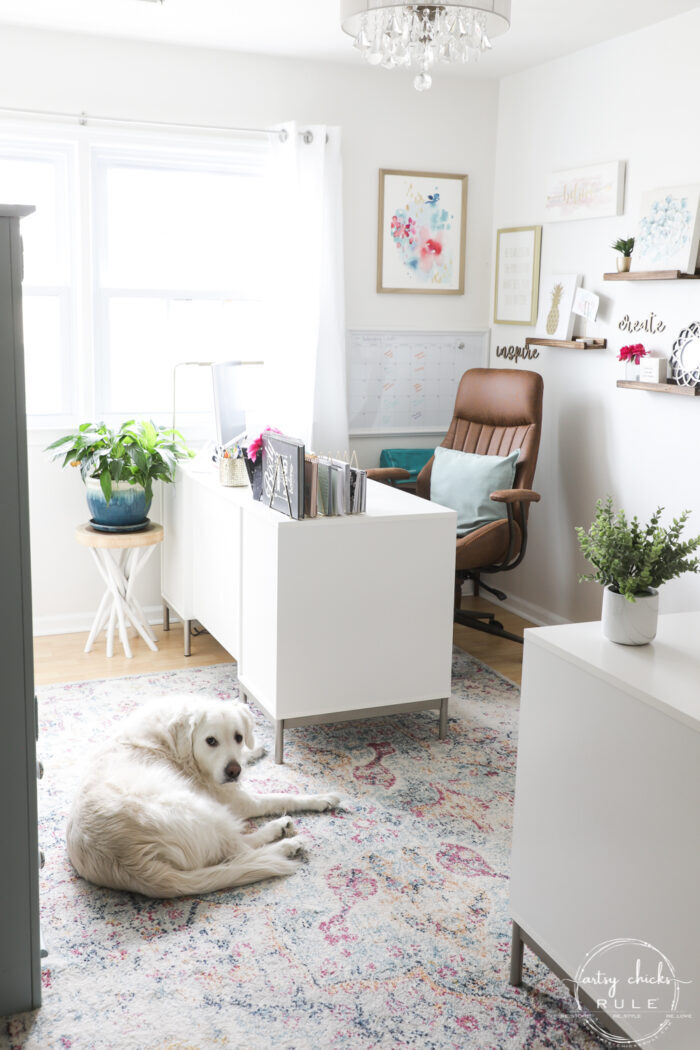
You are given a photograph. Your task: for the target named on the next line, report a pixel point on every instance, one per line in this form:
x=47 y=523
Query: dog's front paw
x=326 y=802
x=286 y=827
x=256 y=753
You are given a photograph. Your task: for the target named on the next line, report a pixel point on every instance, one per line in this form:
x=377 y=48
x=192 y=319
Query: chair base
x=484 y=621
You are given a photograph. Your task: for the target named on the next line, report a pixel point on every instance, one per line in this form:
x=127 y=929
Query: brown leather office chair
x=497 y=410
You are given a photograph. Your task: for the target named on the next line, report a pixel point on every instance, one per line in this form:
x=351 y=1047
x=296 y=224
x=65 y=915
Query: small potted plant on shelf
x=625 y=247
x=631 y=561
x=119 y=468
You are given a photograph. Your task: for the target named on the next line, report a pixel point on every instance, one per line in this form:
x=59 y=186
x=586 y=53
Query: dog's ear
x=248 y=726
x=181 y=729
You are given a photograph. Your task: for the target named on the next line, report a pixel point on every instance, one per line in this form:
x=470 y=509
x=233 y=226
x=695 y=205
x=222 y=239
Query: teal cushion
x=465 y=481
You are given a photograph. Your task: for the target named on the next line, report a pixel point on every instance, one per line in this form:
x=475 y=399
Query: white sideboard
x=328 y=618
x=606 y=839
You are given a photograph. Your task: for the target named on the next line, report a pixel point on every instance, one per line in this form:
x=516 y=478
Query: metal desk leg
x=187 y=626
x=279 y=741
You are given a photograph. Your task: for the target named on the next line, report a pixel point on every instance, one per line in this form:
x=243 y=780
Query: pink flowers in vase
x=634 y=353
x=256 y=444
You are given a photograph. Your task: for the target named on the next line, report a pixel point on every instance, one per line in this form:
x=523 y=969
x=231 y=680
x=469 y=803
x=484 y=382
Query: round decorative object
x=128 y=505
x=685 y=359
x=630 y=623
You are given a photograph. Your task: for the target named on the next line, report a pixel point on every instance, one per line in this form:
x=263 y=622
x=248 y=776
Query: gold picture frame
x=518 y=250
x=421 y=233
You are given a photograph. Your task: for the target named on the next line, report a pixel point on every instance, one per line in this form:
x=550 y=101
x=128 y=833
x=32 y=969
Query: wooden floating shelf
x=660 y=388
x=652 y=275
x=568 y=344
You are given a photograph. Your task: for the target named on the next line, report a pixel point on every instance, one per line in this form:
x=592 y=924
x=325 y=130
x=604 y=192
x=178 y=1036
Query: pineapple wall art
x=554 y=315
x=555 y=319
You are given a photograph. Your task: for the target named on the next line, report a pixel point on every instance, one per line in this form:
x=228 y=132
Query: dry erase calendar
x=406 y=382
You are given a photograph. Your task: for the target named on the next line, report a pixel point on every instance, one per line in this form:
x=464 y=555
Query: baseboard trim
x=529 y=611
x=76 y=623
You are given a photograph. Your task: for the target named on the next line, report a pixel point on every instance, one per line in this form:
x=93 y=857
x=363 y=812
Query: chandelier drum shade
x=394 y=34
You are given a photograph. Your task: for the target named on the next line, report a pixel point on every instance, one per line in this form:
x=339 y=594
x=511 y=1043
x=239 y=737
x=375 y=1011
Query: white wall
x=631 y=99
x=385 y=123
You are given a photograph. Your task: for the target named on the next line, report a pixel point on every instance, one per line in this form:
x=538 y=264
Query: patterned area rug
x=394 y=933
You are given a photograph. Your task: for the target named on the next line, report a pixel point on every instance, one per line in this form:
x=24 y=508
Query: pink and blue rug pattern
x=394 y=933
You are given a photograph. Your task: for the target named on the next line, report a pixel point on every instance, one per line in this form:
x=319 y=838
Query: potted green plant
x=119 y=468
x=625 y=247
x=632 y=561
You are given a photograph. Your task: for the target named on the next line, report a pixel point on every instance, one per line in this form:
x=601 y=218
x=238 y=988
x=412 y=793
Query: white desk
x=606 y=839
x=328 y=618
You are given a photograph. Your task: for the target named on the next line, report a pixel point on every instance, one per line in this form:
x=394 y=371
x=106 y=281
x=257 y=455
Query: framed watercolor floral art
x=421 y=235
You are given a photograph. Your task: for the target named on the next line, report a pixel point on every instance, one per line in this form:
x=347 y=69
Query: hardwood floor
x=60 y=657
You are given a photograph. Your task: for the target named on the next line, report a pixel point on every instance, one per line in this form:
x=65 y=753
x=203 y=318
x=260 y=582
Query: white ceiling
x=540 y=29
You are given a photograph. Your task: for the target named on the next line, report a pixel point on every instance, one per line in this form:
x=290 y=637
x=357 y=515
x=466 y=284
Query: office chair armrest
x=515 y=496
x=388 y=475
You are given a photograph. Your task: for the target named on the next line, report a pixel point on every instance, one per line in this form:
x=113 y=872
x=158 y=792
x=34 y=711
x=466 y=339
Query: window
x=179 y=248
x=139 y=256
x=42 y=176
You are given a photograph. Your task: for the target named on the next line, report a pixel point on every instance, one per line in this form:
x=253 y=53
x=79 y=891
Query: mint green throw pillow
x=464 y=482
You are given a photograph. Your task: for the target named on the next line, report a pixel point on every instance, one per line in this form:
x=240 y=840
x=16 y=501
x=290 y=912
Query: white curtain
x=307 y=374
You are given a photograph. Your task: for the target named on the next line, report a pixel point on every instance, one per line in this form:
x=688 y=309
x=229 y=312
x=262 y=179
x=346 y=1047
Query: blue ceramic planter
x=127 y=506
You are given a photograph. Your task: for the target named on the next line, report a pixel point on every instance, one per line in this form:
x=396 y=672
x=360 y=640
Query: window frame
x=81 y=153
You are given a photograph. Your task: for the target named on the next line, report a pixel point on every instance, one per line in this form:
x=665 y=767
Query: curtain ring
x=308 y=137
x=283 y=134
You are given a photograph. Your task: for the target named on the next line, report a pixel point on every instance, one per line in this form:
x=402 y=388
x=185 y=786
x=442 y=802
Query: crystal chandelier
x=394 y=34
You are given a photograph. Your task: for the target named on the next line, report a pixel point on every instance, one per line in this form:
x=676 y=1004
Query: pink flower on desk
x=256 y=445
x=633 y=352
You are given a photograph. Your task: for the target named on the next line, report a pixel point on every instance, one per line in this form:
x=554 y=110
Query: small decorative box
x=653 y=369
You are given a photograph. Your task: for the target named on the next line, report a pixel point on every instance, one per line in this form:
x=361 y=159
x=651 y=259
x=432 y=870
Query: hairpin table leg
x=166 y=616
x=279 y=741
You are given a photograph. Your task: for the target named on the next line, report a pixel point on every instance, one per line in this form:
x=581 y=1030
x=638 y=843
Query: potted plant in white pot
x=632 y=561
x=119 y=468
x=625 y=246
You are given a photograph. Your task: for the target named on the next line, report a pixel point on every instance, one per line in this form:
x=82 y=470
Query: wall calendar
x=406 y=382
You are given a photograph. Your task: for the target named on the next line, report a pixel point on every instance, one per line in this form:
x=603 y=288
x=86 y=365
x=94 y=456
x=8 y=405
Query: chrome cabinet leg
x=443 y=718
x=516 y=957
x=279 y=741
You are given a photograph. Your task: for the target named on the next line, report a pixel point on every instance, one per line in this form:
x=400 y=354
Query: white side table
x=606 y=845
x=120 y=557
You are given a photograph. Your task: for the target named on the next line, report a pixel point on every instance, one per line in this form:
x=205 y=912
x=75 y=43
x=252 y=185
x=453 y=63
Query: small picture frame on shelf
x=517 y=275
x=669 y=230
x=556 y=319
x=653 y=369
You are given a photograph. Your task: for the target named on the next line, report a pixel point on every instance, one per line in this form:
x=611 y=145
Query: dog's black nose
x=232 y=770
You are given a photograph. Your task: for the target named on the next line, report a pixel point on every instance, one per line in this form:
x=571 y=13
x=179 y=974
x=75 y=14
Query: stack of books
x=302 y=484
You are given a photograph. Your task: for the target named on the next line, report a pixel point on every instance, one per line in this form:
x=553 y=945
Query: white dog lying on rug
x=160 y=810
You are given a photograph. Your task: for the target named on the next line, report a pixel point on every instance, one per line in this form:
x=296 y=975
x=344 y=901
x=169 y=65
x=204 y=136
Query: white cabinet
x=606 y=839
x=328 y=618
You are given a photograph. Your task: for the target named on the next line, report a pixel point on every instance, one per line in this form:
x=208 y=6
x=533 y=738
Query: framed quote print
x=517 y=275
x=421 y=236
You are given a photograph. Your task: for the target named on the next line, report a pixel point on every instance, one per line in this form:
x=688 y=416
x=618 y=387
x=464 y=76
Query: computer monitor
x=236 y=395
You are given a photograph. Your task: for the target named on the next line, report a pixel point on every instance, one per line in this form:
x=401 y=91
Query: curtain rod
x=84 y=118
